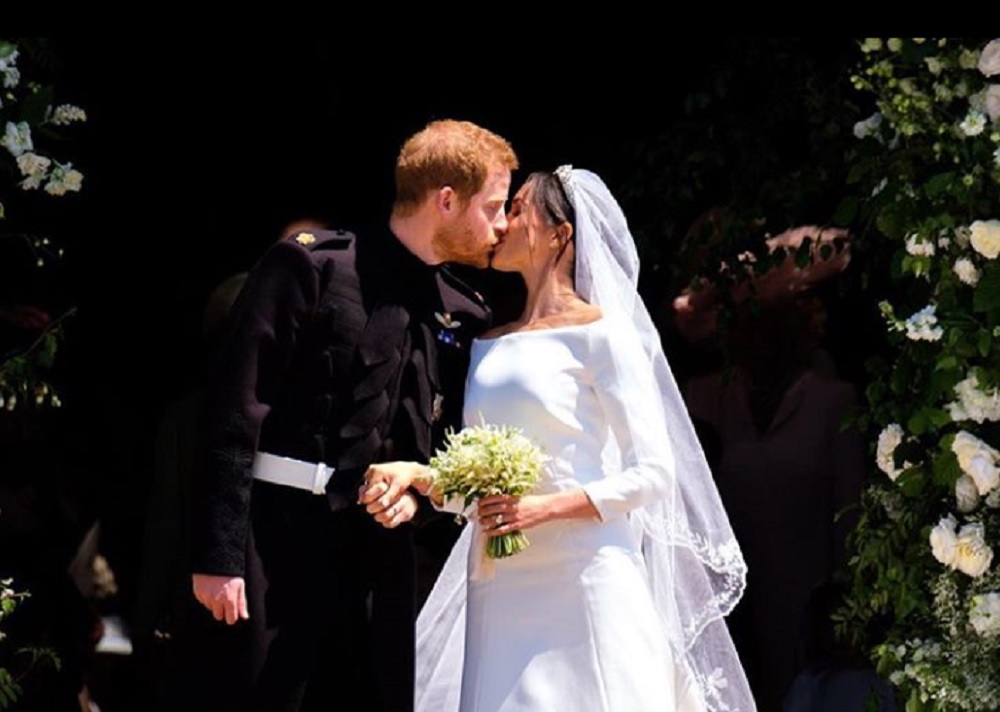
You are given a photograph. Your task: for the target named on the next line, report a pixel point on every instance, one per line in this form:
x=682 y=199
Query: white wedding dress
x=569 y=623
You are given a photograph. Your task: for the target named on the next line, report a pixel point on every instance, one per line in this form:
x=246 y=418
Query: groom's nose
x=500 y=226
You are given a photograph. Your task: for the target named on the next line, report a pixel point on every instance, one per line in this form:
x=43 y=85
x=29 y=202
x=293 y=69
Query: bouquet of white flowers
x=483 y=460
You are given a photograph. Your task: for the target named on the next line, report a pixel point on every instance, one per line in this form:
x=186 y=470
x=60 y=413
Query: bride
x=618 y=603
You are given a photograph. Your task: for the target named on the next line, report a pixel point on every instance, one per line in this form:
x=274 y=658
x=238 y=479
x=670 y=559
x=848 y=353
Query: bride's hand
x=502 y=514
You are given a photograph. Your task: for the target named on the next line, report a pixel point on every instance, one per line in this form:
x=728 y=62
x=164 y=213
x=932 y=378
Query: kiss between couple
x=335 y=363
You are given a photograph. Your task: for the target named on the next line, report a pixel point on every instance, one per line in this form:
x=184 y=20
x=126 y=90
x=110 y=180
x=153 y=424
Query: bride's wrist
x=423 y=481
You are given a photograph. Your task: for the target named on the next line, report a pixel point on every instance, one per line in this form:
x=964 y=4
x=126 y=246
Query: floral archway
x=925 y=591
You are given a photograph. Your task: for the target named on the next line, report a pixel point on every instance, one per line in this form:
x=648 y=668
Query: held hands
x=224 y=596
x=385 y=491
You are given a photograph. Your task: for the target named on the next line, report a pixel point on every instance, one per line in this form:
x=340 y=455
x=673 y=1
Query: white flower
x=8 y=60
x=966 y=494
x=888 y=440
x=916 y=245
x=64 y=179
x=973 y=403
x=17 y=138
x=977 y=460
x=871 y=44
x=31 y=164
x=11 y=77
x=983 y=471
x=966 y=271
x=973 y=124
x=985 y=614
x=922 y=326
x=972 y=555
x=984 y=236
x=869 y=126
x=989 y=60
x=67 y=114
x=894 y=44
x=934 y=65
x=968 y=58
x=944 y=541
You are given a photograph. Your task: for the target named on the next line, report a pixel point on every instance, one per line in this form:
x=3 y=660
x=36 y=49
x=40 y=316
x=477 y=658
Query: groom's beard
x=458 y=243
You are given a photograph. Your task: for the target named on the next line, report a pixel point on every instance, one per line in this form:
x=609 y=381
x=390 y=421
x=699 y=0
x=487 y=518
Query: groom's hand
x=224 y=596
x=385 y=483
x=399 y=513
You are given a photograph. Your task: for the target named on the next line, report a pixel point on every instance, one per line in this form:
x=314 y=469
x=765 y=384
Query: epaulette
x=313 y=240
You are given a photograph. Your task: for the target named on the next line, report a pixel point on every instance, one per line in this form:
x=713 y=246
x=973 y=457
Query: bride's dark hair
x=550 y=196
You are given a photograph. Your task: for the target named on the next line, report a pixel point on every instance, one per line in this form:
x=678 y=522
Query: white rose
x=984 y=235
x=888 y=440
x=934 y=65
x=31 y=164
x=915 y=245
x=993 y=102
x=966 y=271
x=966 y=494
x=972 y=556
x=967 y=446
x=982 y=469
x=989 y=60
x=944 y=541
x=985 y=614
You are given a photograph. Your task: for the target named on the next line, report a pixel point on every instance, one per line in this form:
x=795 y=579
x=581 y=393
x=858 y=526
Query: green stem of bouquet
x=500 y=547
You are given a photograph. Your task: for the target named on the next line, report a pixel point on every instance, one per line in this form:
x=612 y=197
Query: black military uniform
x=344 y=351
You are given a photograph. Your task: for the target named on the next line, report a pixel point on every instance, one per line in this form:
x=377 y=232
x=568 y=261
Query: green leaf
x=939 y=184
x=857 y=172
x=32 y=107
x=985 y=343
x=911 y=482
x=987 y=295
x=945 y=469
x=847 y=212
x=918 y=422
x=938 y=418
x=47 y=350
x=946 y=363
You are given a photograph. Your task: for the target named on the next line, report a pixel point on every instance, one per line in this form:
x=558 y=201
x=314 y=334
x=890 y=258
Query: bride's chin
x=498 y=264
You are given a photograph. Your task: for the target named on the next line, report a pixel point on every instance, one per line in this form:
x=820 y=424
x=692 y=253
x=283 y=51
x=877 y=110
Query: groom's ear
x=446 y=200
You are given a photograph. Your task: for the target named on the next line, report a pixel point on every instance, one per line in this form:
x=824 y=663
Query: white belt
x=280 y=470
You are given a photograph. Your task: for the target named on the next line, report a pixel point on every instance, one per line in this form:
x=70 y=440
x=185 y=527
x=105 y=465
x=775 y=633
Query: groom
x=342 y=351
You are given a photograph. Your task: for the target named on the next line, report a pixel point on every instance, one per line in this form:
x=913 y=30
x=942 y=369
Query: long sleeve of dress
x=280 y=294
x=626 y=388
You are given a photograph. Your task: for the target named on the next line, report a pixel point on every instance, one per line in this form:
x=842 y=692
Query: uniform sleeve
x=629 y=395
x=281 y=293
